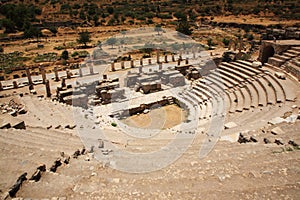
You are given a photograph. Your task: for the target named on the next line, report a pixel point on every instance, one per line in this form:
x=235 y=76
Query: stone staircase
x=288 y=60
x=240 y=87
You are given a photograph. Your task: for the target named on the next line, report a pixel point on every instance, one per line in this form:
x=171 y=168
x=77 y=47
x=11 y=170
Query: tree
x=111 y=41
x=225 y=42
x=84 y=38
x=8 y=25
x=110 y=10
x=210 y=42
x=158 y=28
x=65 y=55
x=180 y=16
x=184 y=27
x=31 y=32
x=53 y=29
x=96 y=19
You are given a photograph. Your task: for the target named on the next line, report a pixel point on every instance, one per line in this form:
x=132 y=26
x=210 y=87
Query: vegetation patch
x=46 y=57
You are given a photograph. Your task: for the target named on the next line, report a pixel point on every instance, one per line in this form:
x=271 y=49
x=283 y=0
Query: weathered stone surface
x=277 y=131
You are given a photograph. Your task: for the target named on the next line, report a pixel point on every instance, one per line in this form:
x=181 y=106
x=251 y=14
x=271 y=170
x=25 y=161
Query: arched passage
x=268 y=51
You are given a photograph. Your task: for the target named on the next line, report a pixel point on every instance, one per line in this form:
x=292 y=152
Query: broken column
x=140 y=70
x=194 y=55
x=141 y=61
x=234 y=47
x=29 y=76
x=80 y=71
x=132 y=64
x=229 y=45
x=173 y=58
x=91 y=66
x=56 y=74
x=240 y=45
x=68 y=73
x=42 y=71
x=166 y=58
x=48 y=91
x=63 y=82
x=149 y=61
x=160 y=66
x=1 y=87
x=180 y=56
x=31 y=87
x=15 y=84
x=113 y=67
x=157 y=56
x=122 y=65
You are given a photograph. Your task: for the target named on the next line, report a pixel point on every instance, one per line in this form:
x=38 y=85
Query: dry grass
x=160 y=118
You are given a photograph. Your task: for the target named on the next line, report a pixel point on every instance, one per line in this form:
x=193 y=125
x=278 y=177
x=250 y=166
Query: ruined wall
x=265 y=48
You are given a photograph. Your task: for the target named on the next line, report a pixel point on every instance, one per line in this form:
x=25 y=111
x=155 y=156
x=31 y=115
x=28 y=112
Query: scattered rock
x=267 y=141
x=253 y=139
x=230 y=138
x=22 y=111
x=242 y=139
x=230 y=125
x=254 y=174
x=256 y=64
x=76 y=153
x=278 y=142
x=291 y=142
x=57 y=127
x=146 y=111
x=48 y=127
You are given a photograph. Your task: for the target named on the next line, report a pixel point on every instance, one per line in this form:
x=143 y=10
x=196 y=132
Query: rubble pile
x=12 y=108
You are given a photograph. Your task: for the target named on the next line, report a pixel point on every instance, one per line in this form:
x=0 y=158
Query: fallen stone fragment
x=76 y=153
x=100 y=144
x=291 y=142
x=22 y=111
x=243 y=139
x=277 y=131
x=253 y=139
x=267 y=141
x=278 y=142
x=230 y=125
x=57 y=163
x=48 y=127
x=291 y=119
x=276 y=120
x=38 y=173
x=15 y=188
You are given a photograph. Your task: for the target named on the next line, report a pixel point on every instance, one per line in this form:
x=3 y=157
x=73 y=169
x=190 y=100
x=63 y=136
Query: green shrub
x=74 y=54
